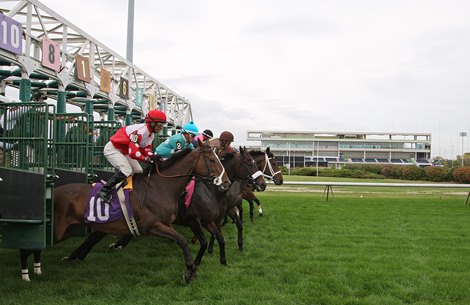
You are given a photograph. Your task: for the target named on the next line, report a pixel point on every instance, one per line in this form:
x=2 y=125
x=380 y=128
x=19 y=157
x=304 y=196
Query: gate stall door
x=73 y=143
x=27 y=158
x=102 y=130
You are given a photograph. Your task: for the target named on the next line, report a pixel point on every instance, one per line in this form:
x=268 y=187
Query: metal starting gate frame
x=41 y=150
x=41 y=145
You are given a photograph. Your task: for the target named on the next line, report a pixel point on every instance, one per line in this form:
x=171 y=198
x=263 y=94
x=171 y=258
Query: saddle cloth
x=98 y=211
x=189 y=192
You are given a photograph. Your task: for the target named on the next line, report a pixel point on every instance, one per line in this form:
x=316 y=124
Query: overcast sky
x=336 y=65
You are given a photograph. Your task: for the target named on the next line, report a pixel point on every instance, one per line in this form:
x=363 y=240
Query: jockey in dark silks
x=206 y=134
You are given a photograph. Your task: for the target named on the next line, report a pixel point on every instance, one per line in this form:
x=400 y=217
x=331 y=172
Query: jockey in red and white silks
x=129 y=145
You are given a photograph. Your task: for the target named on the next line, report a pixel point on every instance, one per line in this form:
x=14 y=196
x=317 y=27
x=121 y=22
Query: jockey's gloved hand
x=148 y=160
x=157 y=158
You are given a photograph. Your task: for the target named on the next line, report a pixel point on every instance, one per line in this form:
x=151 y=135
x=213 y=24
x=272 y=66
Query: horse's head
x=268 y=165
x=244 y=167
x=209 y=165
x=272 y=168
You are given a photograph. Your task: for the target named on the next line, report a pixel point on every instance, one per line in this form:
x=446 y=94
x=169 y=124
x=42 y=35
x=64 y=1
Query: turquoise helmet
x=190 y=128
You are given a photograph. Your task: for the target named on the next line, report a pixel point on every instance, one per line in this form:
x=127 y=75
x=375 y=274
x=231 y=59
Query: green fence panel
x=73 y=141
x=103 y=130
x=27 y=161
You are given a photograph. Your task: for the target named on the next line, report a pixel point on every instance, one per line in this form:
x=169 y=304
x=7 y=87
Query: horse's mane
x=255 y=153
x=168 y=162
x=228 y=157
x=174 y=158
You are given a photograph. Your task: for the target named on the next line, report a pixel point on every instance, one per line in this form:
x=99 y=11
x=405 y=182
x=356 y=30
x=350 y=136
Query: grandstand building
x=334 y=149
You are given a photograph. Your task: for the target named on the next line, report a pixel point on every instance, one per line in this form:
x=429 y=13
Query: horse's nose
x=224 y=186
x=278 y=181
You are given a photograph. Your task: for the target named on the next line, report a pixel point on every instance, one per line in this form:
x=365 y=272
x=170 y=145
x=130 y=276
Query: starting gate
x=40 y=150
x=28 y=155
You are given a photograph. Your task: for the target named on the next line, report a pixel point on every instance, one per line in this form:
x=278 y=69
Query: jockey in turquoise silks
x=178 y=141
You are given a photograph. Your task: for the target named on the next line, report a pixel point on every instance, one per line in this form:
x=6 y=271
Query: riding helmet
x=155 y=116
x=208 y=133
x=190 y=128
x=226 y=136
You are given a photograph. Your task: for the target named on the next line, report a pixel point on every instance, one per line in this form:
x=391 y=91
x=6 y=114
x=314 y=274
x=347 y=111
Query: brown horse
x=159 y=185
x=267 y=164
x=205 y=206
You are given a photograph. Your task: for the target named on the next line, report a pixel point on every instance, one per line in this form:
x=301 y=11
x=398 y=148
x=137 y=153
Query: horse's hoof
x=113 y=247
x=240 y=248
x=37 y=268
x=261 y=215
x=223 y=262
x=25 y=275
x=188 y=278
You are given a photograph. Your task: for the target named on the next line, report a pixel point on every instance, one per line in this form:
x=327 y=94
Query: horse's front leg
x=240 y=211
x=121 y=243
x=199 y=233
x=210 y=248
x=260 y=209
x=232 y=213
x=162 y=230
x=250 y=202
x=214 y=230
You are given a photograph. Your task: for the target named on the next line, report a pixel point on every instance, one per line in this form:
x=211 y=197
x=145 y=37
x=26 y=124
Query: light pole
x=130 y=31
x=463 y=134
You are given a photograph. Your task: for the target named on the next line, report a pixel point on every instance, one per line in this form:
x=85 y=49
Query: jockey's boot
x=105 y=192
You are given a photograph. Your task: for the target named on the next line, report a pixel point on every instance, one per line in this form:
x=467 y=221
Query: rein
x=270 y=167
x=217 y=180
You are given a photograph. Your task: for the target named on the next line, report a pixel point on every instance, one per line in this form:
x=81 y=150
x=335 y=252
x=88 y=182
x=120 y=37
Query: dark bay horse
x=267 y=164
x=206 y=203
x=205 y=207
x=233 y=199
x=160 y=185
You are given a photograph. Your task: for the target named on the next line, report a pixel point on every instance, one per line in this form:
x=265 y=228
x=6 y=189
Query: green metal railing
x=27 y=168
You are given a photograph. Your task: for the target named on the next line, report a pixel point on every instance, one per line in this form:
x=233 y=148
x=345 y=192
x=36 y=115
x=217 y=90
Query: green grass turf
x=383 y=248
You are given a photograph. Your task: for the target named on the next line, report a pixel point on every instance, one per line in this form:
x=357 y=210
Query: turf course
x=400 y=246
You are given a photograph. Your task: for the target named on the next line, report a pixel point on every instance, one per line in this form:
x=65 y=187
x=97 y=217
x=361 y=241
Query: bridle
x=268 y=165
x=217 y=180
x=255 y=175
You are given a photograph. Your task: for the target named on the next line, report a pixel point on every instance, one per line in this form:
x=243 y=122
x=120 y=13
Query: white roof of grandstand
x=338 y=132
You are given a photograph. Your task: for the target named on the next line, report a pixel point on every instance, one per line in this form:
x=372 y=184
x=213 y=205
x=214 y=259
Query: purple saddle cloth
x=98 y=211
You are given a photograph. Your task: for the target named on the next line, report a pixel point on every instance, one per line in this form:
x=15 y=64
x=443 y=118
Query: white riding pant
x=124 y=163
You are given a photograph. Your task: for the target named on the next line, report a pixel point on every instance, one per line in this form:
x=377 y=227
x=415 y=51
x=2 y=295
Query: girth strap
x=130 y=221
